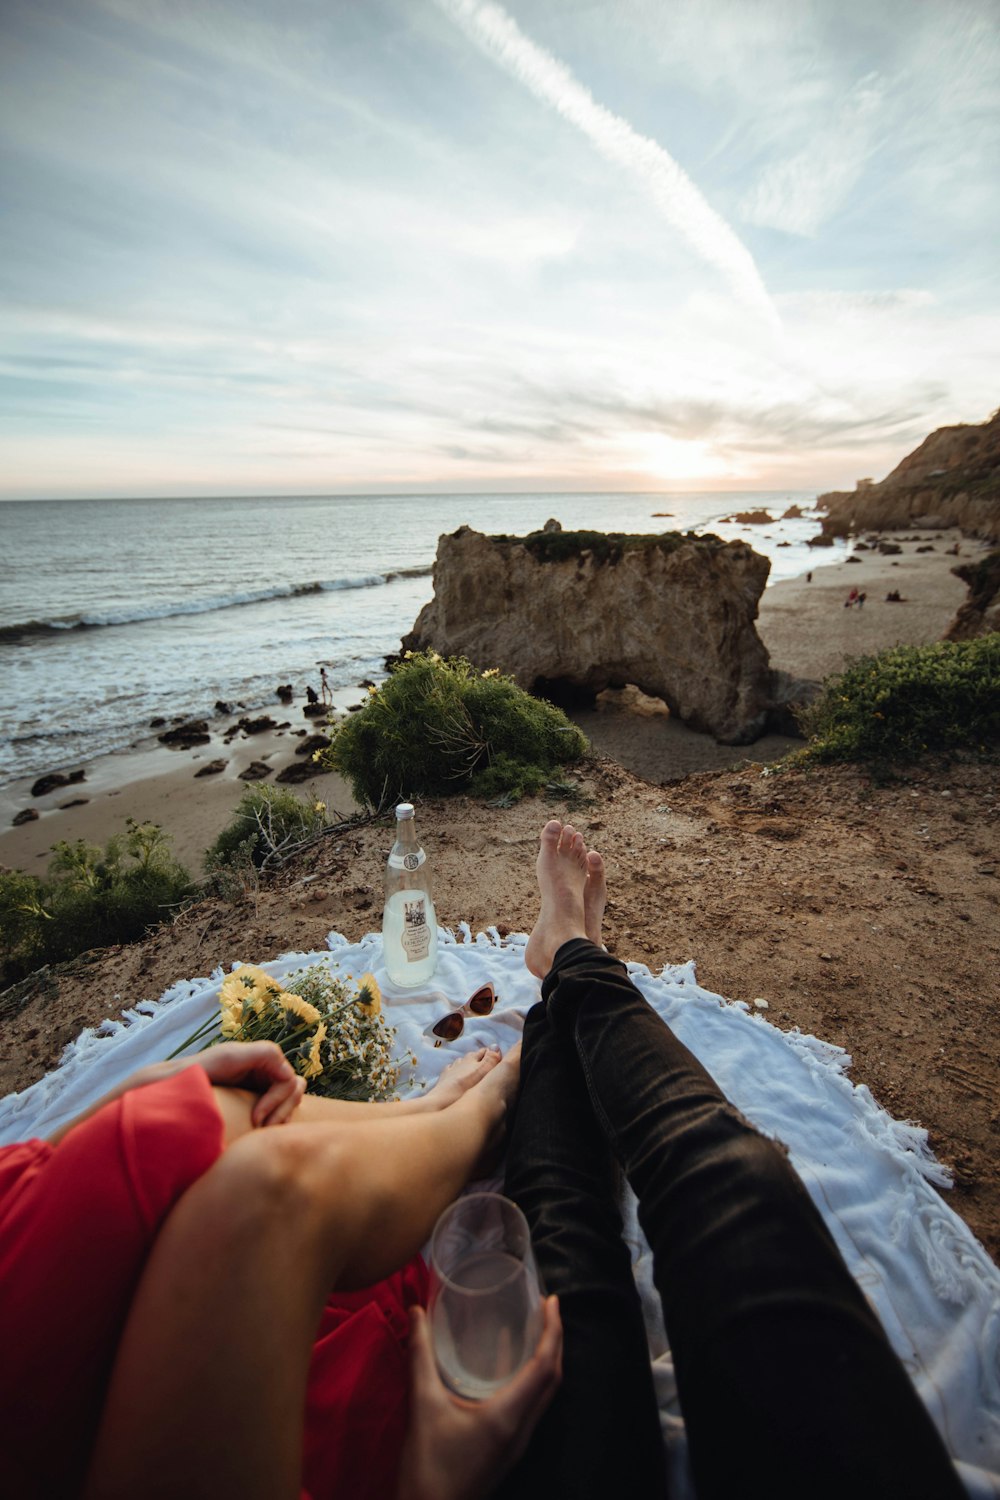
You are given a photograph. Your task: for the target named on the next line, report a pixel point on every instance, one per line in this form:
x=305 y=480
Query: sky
x=291 y=247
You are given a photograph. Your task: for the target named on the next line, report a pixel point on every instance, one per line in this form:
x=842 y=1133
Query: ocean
x=116 y=611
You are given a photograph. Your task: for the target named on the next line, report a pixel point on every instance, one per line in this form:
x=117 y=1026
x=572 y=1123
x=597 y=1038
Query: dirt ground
x=865 y=914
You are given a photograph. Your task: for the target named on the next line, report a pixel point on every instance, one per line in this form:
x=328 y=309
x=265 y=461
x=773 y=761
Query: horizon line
x=385 y=495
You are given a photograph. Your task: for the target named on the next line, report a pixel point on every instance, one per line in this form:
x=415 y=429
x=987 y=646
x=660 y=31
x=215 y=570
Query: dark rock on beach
x=186 y=736
x=284 y=692
x=261 y=725
x=213 y=768
x=299 y=770
x=312 y=743
x=56 y=779
x=26 y=815
x=255 y=771
x=315 y=710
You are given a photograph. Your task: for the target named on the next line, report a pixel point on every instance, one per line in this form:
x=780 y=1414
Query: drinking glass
x=485 y=1302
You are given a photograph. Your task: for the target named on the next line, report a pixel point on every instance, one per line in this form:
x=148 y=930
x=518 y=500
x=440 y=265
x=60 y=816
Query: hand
x=260 y=1067
x=460 y=1450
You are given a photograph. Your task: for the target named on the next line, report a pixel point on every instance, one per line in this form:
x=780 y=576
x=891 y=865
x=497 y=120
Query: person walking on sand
x=324 y=687
x=756 y=1299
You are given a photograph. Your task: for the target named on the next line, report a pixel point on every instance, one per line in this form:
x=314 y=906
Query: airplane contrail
x=653 y=169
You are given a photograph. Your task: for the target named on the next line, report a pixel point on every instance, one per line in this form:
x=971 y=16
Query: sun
x=663 y=457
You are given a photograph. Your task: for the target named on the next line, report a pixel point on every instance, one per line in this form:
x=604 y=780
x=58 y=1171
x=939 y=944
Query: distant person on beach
x=852 y=598
x=311 y=694
x=861 y=600
x=324 y=686
x=191 y=1337
x=809 y=578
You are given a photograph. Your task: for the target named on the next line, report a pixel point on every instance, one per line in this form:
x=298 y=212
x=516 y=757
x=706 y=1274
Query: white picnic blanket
x=872 y=1177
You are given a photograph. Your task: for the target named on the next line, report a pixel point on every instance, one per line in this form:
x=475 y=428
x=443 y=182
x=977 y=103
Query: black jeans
x=787 y=1383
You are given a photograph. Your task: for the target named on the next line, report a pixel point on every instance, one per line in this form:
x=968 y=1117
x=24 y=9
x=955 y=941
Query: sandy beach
x=804 y=625
x=157 y=785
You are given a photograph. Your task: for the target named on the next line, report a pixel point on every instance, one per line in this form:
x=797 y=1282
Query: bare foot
x=595 y=897
x=487 y=1105
x=562 y=871
x=462 y=1074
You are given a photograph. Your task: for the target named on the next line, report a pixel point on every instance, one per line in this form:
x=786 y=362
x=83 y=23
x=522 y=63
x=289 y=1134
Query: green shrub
x=89 y=898
x=440 y=726
x=912 y=699
x=605 y=546
x=267 y=818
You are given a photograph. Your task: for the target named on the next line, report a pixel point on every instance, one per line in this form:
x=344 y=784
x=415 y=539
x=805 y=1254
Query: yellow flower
x=319 y=807
x=372 y=690
x=298 y=1006
x=231 y=1020
x=248 y=984
x=369 y=998
x=314 y=1066
x=491 y=672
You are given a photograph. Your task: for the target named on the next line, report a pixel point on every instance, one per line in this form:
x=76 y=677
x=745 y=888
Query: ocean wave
x=172 y=609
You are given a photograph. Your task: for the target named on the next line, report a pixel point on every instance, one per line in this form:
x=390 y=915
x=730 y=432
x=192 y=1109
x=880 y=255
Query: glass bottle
x=409 y=924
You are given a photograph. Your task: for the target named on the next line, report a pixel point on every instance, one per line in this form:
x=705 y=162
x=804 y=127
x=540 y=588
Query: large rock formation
x=952 y=479
x=578 y=612
x=980 y=614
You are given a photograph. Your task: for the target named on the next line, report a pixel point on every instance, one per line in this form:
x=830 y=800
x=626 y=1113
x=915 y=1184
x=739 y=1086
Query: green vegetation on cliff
x=266 y=820
x=90 y=898
x=897 y=705
x=604 y=546
x=439 y=726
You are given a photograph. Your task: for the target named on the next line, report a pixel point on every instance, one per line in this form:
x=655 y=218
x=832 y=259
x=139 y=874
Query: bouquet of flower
x=330 y=1029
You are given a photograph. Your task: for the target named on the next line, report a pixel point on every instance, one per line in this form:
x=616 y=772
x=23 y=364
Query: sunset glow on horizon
x=453 y=246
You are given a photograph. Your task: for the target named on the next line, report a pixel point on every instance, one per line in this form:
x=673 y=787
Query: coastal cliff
x=952 y=479
x=573 y=613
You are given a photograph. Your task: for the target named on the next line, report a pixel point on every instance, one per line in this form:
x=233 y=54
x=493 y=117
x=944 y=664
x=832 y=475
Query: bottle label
x=416 y=935
x=411 y=861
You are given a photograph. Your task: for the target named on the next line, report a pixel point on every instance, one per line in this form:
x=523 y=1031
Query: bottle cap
x=404 y=811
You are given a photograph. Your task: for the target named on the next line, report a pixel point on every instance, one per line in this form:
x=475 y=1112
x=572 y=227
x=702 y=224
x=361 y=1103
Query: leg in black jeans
x=561 y=1171
x=787 y=1382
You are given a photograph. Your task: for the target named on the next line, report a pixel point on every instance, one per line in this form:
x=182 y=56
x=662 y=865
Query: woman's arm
x=259 y=1067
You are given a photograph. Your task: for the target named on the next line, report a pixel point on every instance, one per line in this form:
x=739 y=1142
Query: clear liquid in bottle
x=409 y=923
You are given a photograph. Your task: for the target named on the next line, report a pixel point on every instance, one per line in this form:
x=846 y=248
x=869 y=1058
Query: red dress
x=76 y=1223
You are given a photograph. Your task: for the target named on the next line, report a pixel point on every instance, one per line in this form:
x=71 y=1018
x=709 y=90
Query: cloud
x=800 y=193
x=663 y=182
